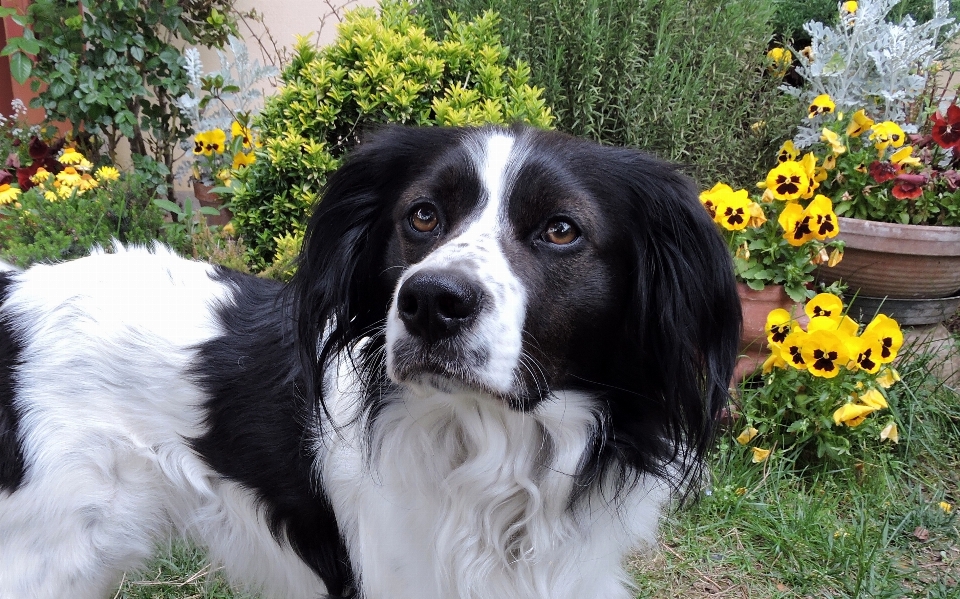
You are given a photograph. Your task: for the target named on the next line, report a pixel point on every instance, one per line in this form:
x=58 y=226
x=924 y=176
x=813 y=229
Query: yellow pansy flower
x=241 y=159
x=822 y=104
x=829 y=163
x=946 y=507
x=887 y=134
x=824 y=304
x=888 y=376
x=8 y=194
x=209 y=142
x=238 y=130
x=788 y=181
x=796 y=225
x=890 y=335
x=904 y=157
x=852 y=414
x=713 y=196
x=809 y=164
x=788 y=152
x=890 y=433
x=733 y=211
x=864 y=351
x=834 y=140
x=860 y=123
x=824 y=353
x=850 y=6
x=774 y=360
x=874 y=399
x=759 y=455
x=791 y=349
x=778 y=326
x=823 y=220
x=780 y=59
x=747 y=435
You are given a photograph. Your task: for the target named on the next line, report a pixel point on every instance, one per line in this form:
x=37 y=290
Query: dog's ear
x=342 y=287
x=683 y=324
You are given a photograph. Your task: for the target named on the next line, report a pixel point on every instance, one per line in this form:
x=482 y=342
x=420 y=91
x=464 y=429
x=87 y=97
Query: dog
x=502 y=355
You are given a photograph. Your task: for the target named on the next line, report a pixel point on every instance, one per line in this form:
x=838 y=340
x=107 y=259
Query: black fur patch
x=257 y=419
x=11 y=452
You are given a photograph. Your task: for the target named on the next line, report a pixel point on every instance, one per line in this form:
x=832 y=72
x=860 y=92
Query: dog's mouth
x=445 y=365
x=448 y=367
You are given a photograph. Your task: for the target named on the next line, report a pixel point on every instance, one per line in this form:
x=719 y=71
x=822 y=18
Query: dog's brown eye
x=560 y=232
x=423 y=218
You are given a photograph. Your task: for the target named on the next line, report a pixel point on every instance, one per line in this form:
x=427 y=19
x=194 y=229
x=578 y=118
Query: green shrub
x=381 y=69
x=681 y=78
x=35 y=229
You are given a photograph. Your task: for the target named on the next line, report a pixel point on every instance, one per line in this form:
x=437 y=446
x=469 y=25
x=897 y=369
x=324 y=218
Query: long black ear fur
x=666 y=389
x=342 y=287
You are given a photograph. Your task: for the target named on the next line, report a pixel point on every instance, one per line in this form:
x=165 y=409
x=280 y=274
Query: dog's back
x=99 y=402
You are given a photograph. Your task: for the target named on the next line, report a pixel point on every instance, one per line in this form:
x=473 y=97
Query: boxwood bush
x=382 y=68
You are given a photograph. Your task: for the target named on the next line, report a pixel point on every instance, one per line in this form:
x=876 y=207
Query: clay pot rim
x=916 y=240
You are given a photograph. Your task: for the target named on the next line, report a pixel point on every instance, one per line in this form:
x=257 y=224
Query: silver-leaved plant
x=864 y=61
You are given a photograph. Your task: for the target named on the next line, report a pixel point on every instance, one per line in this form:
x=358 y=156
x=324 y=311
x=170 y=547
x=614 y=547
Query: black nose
x=434 y=305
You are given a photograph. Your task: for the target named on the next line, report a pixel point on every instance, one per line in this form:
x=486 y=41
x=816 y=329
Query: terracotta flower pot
x=756 y=305
x=897 y=261
x=208 y=199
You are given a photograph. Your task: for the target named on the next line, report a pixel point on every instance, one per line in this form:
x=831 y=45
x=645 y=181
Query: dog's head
x=512 y=263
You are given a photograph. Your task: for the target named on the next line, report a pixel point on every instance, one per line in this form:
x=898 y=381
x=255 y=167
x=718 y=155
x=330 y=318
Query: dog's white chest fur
x=464 y=497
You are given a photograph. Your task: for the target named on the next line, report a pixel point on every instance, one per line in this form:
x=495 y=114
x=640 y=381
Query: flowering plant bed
x=780 y=237
x=824 y=384
x=61 y=215
x=872 y=173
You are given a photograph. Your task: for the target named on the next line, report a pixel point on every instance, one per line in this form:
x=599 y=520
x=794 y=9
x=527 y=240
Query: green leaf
x=168 y=206
x=20 y=67
x=30 y=46
x=137 y=53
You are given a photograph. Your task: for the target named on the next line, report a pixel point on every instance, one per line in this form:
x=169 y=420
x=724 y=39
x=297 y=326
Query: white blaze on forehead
x=477 y=252
x=493 y=164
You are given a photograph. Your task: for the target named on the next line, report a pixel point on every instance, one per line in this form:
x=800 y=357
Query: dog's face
x=513 y=263
x=508 y=270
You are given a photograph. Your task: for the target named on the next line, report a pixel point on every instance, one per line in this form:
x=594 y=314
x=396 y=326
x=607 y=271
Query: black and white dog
x=502 y=352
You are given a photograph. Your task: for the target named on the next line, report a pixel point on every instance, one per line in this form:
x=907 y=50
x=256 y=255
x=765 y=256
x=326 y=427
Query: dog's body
x=501 y=352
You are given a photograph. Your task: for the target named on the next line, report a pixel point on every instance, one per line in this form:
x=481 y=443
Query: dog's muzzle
x=435 y=305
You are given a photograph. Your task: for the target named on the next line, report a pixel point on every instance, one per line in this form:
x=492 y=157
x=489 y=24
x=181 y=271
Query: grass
x=769 y=531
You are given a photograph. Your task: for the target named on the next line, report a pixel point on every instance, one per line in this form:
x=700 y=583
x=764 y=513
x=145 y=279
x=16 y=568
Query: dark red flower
x=946 y=131
x=908 y=187
x=883 y=171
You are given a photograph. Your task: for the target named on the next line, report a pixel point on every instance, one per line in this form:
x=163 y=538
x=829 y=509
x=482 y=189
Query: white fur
x=464 y=497
x=105 y=410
